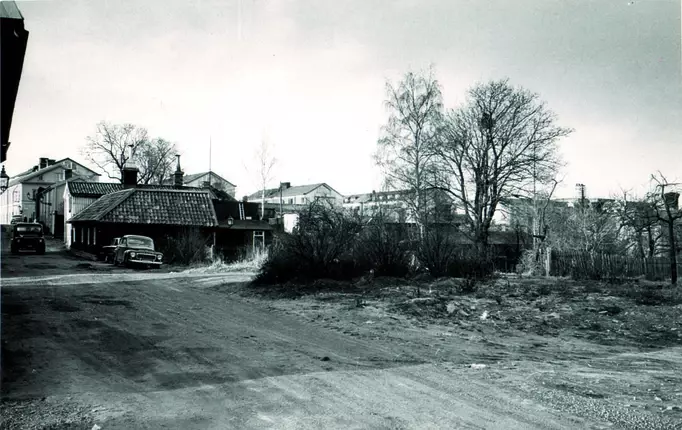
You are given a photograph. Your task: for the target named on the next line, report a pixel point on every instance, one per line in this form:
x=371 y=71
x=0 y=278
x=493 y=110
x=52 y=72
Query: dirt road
x=145 y=350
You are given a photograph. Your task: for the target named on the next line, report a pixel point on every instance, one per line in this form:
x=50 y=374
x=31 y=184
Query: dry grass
x=250 y=263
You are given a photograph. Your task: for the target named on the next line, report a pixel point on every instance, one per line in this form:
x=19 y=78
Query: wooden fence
x=583 y=265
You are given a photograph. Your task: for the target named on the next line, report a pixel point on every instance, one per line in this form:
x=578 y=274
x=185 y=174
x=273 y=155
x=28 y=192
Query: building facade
x=298 y=195
x=206 y=179
x=20 y=196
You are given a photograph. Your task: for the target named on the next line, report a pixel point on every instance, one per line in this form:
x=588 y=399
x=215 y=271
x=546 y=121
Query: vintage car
x=27 y=236
x=137 y=250
x=106 y=254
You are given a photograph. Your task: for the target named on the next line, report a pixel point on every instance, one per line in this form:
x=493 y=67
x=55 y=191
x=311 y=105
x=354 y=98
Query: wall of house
x=301 y=199
x=216 y=182
x=73 y=206
x=10 y=203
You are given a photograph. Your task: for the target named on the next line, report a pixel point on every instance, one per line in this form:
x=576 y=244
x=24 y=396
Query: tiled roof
x=93 y=189
x=299 y=190
x=98 y=189
x=152 y=206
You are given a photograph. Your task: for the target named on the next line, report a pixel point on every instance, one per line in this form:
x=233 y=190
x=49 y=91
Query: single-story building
x=155 y=213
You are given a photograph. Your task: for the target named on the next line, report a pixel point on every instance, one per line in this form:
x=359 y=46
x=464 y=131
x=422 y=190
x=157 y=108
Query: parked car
x=137 y=250
x=27 y=236
x=107 y=252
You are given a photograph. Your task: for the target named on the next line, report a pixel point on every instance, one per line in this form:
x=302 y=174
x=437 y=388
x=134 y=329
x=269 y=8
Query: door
x=58 y=226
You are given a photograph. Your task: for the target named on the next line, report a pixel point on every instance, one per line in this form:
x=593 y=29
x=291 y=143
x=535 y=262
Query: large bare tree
x=113 y=146
x=502 y=142
x=407 y=148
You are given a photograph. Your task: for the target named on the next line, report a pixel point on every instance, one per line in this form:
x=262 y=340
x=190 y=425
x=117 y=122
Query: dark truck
x=137 y=250
x=107 y=252
x=27 y=236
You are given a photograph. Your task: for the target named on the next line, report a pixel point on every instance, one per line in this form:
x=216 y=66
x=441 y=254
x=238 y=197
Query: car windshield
x=29 y=229
x=142 y=242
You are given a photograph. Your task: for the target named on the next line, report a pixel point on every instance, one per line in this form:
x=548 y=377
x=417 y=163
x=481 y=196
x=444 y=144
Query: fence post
x=548 y=261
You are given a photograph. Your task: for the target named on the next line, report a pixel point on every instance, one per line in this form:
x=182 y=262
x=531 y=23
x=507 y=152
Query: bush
x=321 y=246
x=437 y=251
x=187 y=247
x=468 y=263
x=530 y=265
x=381 y=249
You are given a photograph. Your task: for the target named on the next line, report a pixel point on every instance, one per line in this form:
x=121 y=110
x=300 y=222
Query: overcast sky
x=311 y=75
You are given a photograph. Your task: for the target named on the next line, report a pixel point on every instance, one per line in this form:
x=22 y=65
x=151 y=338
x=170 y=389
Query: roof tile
x=152 y=206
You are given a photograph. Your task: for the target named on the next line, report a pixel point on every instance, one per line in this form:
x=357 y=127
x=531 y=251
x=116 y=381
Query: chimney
x=43 y=163
x=68 y=173
x=672 y=200
x=129 y=176
x=51 y=162
x=178 y=175
x=286 y=185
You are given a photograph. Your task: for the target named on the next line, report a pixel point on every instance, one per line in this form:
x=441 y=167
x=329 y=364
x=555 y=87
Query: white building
x=298 y=195
x=19 y=198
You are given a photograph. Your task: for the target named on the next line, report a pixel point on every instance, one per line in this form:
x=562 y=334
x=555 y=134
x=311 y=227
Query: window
x=68 y=164
x=140 y=242
x=29 y=229
x=59 y=176
x=291 y=201
x=16 y=196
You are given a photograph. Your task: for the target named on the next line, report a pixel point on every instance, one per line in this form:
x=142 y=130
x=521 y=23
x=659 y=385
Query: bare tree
x=637 y=227
x=113 y=146
x=502 y=142
x=266 y=161
x=407 y=148
x=155 y=161
x=664 y=199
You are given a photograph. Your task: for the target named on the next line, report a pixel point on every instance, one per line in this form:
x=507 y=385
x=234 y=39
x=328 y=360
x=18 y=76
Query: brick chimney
x=43 y=163
x=129 y=176
x=178 y=175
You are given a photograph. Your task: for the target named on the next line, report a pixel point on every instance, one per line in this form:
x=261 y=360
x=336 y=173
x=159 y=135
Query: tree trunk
x=652 y=242
x=673 y=252
x=262 y=204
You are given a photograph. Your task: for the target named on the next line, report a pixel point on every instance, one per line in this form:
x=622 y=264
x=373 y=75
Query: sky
x=310 y=77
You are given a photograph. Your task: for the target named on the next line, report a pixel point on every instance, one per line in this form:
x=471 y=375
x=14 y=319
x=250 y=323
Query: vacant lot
x=612 y=345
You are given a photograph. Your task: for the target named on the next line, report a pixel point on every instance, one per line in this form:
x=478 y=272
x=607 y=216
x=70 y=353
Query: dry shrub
x=187 y=247
x=321 y=246
x=382 y=249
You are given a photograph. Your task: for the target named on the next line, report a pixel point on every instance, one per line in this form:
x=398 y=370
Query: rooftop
x=192 y=208
x=298 y=190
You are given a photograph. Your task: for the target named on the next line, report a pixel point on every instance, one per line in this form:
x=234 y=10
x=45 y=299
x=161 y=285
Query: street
x=155 y=350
